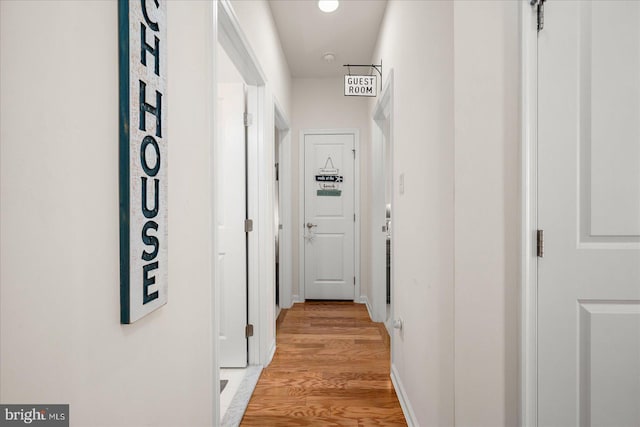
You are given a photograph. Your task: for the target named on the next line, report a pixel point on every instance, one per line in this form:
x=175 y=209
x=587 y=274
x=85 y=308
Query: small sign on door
x=329 y=180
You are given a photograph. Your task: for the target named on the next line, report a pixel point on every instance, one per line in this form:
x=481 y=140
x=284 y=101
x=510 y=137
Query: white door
x=329 y=216
x=232 y=252
x=589 y=209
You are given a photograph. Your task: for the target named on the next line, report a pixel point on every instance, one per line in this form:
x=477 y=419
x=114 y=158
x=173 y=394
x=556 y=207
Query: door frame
x=529 y=209
x=285 y=242
x=230 y=36
x=357 y=297
x=383 y=111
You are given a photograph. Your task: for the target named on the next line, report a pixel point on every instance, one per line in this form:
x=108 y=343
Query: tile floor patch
x=235 y=412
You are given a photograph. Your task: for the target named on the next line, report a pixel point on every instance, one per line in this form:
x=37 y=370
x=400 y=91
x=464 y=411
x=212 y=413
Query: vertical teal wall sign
x=142 y=33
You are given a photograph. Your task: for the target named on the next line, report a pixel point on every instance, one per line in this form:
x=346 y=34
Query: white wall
x=60 y=336
x=456 y=131
x=487 y=257
x=416 y=41
x=257 y=24
x=321 y=104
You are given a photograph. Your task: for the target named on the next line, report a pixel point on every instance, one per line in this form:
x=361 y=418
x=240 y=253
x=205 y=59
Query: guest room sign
x=360 y=85
x=143 y=157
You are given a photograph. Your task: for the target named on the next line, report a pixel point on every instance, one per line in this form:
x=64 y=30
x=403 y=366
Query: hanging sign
x=361 y=85
x=142 y=28
x=329 y=180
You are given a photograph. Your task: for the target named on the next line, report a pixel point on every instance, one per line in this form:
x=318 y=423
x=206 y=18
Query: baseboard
x=364 y=300
x=295 y=299
x=403 y=398
x=272 y=352
x=389 y=325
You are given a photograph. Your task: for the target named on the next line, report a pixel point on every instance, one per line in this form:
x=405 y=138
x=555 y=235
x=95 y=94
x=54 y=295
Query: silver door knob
x=310 y=226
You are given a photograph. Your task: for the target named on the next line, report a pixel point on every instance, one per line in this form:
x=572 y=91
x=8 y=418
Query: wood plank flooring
x=331 y=368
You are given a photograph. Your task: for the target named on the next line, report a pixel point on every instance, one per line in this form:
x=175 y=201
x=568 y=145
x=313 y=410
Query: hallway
x=331 y=368
x=173 y=174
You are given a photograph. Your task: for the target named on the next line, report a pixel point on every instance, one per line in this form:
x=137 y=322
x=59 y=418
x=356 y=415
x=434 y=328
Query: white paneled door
x=329 y=216
x=232 y=252
x=589 y=209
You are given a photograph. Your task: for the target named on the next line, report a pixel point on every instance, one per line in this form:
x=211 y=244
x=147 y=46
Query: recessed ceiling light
x=328 y=6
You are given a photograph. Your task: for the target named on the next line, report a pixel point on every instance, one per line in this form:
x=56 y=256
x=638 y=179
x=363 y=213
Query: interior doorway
x=282 y=208
x=382 y=208
x=232 y=259
x=277 y=226
x=259 y=324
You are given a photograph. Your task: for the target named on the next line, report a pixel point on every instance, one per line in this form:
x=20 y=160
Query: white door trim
x=356 y=259
x=286 y=253
x=231 y=37
x=529 y=206
x=214 y=241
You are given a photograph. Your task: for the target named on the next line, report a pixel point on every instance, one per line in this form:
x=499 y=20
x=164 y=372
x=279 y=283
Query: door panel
x=610 y=370
x=589 y=209
x=610 y=115
x=610 y=118
x=329 y=210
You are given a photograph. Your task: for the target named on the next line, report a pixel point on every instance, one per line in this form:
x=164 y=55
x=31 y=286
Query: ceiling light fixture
x=328 y=6
x=329 y=57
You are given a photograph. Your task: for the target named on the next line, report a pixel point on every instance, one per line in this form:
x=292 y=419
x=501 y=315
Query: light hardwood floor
x=331 y=368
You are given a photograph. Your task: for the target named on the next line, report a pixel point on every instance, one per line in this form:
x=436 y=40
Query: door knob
x=310 y=226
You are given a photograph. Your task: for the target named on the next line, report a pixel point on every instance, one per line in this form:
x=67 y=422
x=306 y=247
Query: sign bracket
x=377 y=67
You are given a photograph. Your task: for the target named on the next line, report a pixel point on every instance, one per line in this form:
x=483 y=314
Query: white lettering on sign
x=361 y=85
x=143 y=158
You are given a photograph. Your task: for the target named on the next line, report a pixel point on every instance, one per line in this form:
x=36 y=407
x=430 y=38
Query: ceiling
x=307 y=34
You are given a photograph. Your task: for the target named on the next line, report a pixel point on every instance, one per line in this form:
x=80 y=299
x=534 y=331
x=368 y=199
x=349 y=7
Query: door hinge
x=539 y=5
x=354 y=217
x=248 y=225
x=248 y=119
x=540 y=243
x=354 y=280
x=354 y=153
x=248 y=330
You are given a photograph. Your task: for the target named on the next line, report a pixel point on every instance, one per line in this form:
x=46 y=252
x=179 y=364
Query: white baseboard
x=364 y=300
x=403 y=398
x=389 y=325
x=296 y=299
x=272 y=352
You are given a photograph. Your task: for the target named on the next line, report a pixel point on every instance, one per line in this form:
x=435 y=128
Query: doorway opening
x=282 y=209
x=232 y=250
x=255 y=321
x=382 y=208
